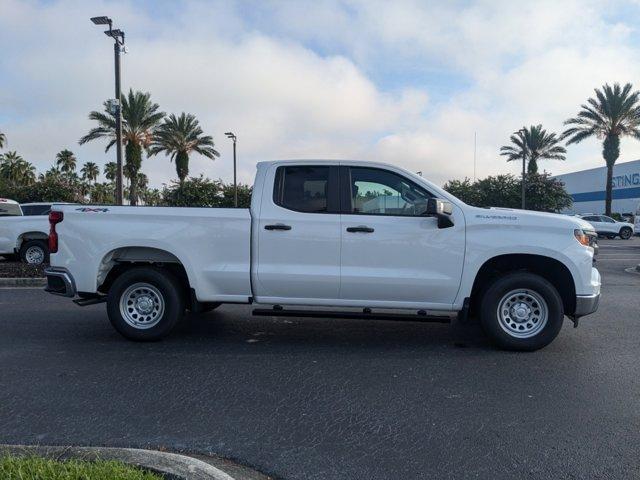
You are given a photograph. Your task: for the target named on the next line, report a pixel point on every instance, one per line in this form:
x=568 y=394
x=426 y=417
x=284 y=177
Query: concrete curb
x=172 y=465
x=22 y=282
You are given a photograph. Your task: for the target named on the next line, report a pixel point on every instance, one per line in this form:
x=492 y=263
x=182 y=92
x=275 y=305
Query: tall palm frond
x=16 y=169
x=90 y=171
x=66 y=160
x=178 y=137
x=140 y=116
x=533 y=144
x=614 y=112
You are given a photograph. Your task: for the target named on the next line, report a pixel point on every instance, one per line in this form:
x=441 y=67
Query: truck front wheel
x=521 y=311
x=145 y=303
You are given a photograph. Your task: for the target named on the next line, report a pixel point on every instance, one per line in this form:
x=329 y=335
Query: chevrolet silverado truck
x=21 y=236
x=330 y=239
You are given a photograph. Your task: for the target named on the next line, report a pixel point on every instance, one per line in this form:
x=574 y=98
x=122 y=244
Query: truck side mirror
x=442 y=210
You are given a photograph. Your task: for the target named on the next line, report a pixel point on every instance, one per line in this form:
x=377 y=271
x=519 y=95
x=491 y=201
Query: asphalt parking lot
x=335 y=399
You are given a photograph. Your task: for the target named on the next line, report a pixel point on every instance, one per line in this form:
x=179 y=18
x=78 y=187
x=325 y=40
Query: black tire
x=611 y=236
x=165 y=285
x=27 y=248
x=626 y=233
x=528 y=282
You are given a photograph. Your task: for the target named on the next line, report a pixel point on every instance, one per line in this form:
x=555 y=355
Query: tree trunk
x=133 y=162
x=182 y=165
x=610 y=153
x=608 y=199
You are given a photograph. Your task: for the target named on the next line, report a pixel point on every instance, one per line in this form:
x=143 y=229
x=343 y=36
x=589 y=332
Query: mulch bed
x=11 y=269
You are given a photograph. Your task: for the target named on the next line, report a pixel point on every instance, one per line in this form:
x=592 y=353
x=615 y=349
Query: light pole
x=232 y=136
x=118 y=46
x=522 y=132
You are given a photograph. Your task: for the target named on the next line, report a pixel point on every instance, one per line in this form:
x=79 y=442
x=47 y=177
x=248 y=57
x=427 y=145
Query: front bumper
x=586 y=304
x=60 y=282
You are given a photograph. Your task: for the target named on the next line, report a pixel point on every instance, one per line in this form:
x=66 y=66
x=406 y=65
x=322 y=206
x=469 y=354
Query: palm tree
x=90 y=171
x=143 y=181
x=16 y=169
x=613 y=113
x=110 y=171
x=53 y=173
x=533 y=144
x=178 y=137
x=3 y=140
x=66 y=160
x=140 y=116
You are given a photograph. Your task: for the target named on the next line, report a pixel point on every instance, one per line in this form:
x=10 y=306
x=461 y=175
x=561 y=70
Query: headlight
x=582 y=237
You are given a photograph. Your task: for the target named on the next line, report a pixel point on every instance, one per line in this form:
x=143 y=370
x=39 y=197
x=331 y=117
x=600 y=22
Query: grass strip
x=38 y=468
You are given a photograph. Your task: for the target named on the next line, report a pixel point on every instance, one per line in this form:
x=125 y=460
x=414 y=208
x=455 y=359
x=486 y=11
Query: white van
x=636 y=220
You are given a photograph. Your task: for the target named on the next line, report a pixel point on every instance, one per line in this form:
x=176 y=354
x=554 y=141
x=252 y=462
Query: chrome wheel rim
x=142 y=306
x=34 y=255
x=522 y=313
x=625 y=234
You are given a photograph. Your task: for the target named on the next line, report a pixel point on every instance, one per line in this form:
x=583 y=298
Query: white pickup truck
x=21 y=235
x=337 y=235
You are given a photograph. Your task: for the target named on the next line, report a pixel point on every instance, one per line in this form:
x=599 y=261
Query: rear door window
x=307 y=188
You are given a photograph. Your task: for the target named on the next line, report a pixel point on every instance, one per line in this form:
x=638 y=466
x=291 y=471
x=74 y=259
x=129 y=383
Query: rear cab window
x=36 y=209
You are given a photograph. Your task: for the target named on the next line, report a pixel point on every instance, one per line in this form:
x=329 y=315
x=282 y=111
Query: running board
x=85 y=302
x=366 y=314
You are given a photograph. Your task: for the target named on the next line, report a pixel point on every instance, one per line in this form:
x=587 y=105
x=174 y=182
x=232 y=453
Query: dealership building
x=587 y=188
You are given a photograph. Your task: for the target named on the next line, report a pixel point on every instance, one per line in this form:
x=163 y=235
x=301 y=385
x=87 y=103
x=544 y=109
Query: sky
x=405 y=82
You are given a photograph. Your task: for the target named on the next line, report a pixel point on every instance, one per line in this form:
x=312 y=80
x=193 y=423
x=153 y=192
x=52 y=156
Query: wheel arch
x=551 y=269
x=31 y=235
x=120 y=259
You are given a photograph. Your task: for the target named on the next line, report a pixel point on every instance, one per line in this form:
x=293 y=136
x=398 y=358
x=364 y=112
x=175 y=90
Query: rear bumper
x=586 y=304
x=60 y=282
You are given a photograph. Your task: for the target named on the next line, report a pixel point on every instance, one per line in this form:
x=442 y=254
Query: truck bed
x=212 y=244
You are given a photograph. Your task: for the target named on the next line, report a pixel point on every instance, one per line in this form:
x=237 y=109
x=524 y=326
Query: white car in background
x=608 y=227
x=21 y=235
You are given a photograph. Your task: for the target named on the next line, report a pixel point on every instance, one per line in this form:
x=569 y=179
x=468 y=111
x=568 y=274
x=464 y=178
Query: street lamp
x=118 y=46
x=522 y=131
x=232 y=136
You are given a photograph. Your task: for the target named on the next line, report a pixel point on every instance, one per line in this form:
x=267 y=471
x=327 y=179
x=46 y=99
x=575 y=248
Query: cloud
x=325 y=79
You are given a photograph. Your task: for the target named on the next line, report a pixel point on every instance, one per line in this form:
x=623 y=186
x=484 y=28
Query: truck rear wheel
x=521 y=311
x=145 y=303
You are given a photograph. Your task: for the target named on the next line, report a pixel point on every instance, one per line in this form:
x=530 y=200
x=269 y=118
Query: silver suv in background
x=608 y=227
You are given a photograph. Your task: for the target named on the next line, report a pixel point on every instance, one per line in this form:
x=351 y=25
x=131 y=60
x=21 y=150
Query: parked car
x=314 y=237
x=610 y=228
x=23 y=237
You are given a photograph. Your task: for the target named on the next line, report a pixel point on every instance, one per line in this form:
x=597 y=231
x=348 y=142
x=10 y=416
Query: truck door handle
x=361 y=228
x=277 y=226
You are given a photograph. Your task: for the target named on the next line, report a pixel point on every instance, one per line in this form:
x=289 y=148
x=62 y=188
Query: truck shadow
x=231 y=326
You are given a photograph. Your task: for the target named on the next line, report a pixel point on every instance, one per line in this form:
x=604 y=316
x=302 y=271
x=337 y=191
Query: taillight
x=54 y=219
